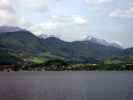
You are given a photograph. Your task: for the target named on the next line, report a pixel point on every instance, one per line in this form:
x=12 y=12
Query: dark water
x=66 y=86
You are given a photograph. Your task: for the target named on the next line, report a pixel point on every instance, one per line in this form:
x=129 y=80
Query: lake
x=66 y=85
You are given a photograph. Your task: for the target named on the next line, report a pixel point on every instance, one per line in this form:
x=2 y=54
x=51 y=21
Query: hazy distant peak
x=4 y=29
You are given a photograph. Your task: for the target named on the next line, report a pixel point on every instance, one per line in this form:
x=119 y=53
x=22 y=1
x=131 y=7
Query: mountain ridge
x=5 y=29
x=20 y=40
x=25 y=42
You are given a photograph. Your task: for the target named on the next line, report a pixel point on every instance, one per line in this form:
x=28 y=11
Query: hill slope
x=8 y=57
x=79 y=50
x=20 y=41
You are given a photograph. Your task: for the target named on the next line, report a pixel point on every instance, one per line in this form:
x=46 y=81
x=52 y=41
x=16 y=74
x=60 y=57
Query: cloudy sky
x=72 y=19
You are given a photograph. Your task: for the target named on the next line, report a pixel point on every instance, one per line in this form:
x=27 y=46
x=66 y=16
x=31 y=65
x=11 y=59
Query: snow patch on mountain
x=103 y=42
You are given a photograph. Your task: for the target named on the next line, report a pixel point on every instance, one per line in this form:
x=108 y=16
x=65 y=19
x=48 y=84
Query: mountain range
x=24 y=44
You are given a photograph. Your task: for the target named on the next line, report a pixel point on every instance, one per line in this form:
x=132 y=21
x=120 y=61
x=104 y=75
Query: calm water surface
x=66 y=86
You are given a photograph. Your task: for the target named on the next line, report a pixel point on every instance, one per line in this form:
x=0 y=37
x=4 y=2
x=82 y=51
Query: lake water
x=66 y=86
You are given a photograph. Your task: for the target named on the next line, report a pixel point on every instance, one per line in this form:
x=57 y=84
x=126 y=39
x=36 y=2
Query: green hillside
x=31 y=48
x=21 y=41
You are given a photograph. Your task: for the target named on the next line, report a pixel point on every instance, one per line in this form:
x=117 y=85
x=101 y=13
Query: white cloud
x=6 y=12
x=97 y=5
x=93 y=2
x=5 y=5
x=103 y=1
x=123 y=13
x=79 y=20
x=8 y=15
x=67 y=27
x=35 y=5
x=38 y=3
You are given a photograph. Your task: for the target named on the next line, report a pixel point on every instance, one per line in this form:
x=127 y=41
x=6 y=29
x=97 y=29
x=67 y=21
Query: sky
x=71 y=20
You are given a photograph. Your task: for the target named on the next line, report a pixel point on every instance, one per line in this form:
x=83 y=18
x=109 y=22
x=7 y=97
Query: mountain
x=43 y=36
x=128 y=55
x=102 y=42
x=129 y=51
x=83 y=51
x=20 y=40
x=23 y=43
